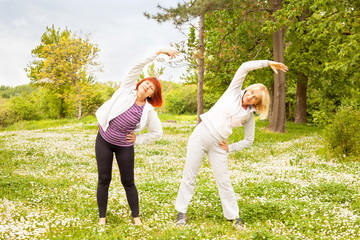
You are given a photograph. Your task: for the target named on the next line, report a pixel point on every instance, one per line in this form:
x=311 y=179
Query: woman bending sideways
x=235 y=108
x=129 y=110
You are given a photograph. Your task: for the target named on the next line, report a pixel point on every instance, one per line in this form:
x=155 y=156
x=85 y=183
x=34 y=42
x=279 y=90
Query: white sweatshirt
x=124 y=98
x=228 y=112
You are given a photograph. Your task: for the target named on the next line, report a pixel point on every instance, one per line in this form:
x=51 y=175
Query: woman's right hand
x=131 y=137
x=224 y=145
x=277 y=66
x=170 y=52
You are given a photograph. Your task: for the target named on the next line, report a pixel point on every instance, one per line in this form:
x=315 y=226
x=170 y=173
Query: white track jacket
x=228 y=112
x=124 y=98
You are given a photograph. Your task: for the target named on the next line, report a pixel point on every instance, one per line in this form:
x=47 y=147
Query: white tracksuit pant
x=201 y=142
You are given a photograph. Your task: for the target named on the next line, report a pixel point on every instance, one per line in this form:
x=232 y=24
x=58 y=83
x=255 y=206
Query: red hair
x=156 y=99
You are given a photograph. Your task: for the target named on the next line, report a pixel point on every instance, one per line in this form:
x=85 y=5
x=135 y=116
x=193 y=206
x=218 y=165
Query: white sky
x=120 y=29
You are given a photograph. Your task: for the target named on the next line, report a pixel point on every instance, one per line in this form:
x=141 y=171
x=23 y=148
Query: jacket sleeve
x=131 y=77
x=244 y=69
x=249 y=129
x=154 y=130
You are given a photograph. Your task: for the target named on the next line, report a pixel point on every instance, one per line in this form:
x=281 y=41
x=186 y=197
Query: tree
x=64 y=63
x=233 y=36
x=181 y=14
x=323 y=52
x=277 y=115
x=185 y=13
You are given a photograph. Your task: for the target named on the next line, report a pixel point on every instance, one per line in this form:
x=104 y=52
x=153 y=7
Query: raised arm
x=246 y=67
x=243 y=70
x=131 y=77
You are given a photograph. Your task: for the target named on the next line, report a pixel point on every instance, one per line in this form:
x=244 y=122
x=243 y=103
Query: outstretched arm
x=246 y=67
x=132 y=76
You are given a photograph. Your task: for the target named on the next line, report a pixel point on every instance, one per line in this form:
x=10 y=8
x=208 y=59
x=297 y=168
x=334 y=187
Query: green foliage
x=321 y=47
x=44 y=103
x=52 y=105
x=26 y=107
x=91 y=101
x=8 y=92
x=64 y=64
x=181 y=100
x=7 y=116
x=225 y=51
x=322 y=44
x=152 y=71
x=343 y=133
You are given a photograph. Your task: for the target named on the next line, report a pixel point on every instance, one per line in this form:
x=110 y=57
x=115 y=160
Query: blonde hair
x=262 y=108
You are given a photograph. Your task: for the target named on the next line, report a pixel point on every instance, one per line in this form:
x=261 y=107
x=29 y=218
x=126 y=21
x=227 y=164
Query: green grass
x=46 y=124
x=286 y=187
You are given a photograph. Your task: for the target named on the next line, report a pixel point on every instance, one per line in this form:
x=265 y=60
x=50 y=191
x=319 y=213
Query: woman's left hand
x=170 y=52
x=131 y=137
x=224 y=145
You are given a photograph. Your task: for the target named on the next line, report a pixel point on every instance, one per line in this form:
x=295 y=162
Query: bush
x=182 y=100
x=26 y=107
x=7 y=117
x=8 y=92
x=343 y=133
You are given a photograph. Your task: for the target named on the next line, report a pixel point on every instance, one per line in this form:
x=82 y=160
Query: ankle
x=102 y=221
x=137 y=221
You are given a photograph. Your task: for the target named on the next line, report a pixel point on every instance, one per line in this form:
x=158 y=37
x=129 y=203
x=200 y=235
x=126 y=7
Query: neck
x=242 y=102
x=139 y=102
x=140 y=97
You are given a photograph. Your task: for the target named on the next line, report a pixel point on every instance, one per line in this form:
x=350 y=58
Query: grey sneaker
x=181 y=219
x=238 y=224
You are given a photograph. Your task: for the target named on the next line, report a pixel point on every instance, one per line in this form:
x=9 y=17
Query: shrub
x=7 y=117
x=26 y=107
x=343 y=133
x=182 y=100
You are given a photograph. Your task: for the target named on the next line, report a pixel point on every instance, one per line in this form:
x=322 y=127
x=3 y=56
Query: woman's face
x=147 y=88
x=251 y=97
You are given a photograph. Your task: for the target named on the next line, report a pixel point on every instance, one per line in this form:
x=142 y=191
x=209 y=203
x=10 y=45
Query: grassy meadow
x=286 y=185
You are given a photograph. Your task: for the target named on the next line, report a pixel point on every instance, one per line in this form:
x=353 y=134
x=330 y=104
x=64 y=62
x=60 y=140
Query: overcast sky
x=120 y=29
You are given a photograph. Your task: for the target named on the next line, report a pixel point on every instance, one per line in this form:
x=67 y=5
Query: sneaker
x=238 y=224
x=181 y=219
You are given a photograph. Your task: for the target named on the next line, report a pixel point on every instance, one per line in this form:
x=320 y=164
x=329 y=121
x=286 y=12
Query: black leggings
x=125 y=158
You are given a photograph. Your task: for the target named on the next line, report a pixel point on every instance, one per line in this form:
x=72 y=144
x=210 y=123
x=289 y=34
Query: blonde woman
x=235 y=108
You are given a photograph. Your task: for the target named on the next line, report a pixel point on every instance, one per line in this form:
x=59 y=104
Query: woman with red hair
x=128 y=111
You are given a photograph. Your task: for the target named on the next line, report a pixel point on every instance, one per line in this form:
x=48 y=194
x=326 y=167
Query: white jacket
x=228 y=112
x=124 y=98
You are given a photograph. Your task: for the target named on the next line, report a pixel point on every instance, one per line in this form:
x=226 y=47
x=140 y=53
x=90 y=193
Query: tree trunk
x=300 y=108
x=271 y=100
x=79 y=101
x=278 y=113
x=200 y=100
